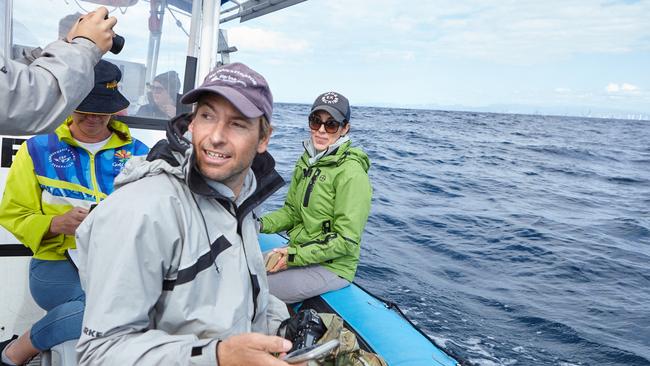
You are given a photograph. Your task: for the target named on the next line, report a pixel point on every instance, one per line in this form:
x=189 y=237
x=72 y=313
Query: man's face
x=225 y=142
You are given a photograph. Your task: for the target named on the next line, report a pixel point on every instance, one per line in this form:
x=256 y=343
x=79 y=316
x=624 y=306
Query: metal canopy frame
x=206 y=41
x=252 y=9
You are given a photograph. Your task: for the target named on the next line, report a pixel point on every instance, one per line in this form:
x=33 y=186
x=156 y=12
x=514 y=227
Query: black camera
x=118 y=42
x=307 y=329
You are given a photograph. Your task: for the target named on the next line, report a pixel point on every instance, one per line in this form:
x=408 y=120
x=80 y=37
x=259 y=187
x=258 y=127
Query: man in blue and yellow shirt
x=50 y=188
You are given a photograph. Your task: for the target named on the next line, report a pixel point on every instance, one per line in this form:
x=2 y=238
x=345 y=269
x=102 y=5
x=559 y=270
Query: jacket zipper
x=310 y=187
x=93 y=176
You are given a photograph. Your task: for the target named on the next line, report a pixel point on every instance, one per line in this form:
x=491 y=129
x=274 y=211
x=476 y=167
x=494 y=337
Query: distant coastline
x=559 y=111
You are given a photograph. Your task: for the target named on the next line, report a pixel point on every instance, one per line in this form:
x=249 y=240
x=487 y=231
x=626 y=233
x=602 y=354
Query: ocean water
x=509 y=239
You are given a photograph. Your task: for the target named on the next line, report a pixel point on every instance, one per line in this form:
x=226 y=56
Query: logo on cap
x=232 y=77
x=330 y=98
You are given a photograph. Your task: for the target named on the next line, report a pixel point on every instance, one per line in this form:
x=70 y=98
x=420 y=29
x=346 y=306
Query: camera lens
x=118 y=44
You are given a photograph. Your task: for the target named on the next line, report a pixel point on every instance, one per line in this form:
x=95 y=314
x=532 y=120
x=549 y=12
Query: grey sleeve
x=38 y=97
x=276 y=313
x=123 y=260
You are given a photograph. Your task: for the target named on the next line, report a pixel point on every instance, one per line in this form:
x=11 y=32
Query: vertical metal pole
x=6 y=9
x=191 y=60
x=154 y=43
x=209 y=29
x=195 y=25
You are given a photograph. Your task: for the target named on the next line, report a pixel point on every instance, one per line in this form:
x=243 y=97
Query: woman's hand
x=68 y=222
x=282 y=262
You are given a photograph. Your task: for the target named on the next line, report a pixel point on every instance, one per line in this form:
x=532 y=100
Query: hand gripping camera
x=118 y=42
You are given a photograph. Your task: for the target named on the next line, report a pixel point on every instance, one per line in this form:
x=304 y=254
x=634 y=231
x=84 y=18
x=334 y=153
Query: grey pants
x=300 y=283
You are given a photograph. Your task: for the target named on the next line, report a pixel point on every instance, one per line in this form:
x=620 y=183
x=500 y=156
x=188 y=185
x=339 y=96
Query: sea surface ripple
x=509 y=239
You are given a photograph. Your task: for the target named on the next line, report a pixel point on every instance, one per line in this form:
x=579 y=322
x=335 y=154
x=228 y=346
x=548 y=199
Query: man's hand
x=68 y=222
x=281 y=264
x=252 y=349
x=94 y=27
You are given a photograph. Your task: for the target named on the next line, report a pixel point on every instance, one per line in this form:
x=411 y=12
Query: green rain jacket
x=326 y=209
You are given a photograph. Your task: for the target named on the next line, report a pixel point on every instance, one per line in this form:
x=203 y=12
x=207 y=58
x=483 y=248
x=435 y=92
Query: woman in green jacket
x=325 y=211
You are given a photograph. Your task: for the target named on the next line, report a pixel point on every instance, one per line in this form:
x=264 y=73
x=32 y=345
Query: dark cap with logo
x=242 y=86
x=105 y=98
x=333 y=103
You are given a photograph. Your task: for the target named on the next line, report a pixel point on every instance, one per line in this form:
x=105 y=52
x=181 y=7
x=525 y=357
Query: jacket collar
x=315 y=155
x=120 y=135
x=336 y=155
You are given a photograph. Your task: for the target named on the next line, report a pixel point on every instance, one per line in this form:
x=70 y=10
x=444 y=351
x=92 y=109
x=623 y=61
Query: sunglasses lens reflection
x=314 y=123
x=331 y=126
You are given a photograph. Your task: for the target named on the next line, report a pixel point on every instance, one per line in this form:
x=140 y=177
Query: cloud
x=403 y=23
x=629 y=87
x=534 y=33
x=388 y=55
x=625 y=88
x=514 y=32
x=264 y=40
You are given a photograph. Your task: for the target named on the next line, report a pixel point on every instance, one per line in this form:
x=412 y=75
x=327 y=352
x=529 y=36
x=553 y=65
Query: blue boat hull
x=379 y=326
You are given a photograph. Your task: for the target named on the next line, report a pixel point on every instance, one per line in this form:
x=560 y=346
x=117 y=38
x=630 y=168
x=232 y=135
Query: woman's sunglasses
x=156 y=89
x=331 y=125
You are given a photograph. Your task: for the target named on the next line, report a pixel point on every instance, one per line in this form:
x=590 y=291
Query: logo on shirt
x=123 y=156
x=62 y=158
x=92 y=333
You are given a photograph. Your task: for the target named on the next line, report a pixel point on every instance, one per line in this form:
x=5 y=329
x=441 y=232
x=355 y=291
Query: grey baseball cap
x=242 y=86
x=333 y=103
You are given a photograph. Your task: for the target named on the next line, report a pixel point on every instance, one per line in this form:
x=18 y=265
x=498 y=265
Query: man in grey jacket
x=170 y=261
x=36 y=98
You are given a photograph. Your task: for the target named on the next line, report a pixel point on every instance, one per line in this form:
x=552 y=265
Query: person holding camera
x=39 y=96
x=325 y=211
x=50 y=188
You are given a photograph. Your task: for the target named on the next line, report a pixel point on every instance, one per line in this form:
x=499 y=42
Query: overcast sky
x=557 y=56
x=475 y=53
